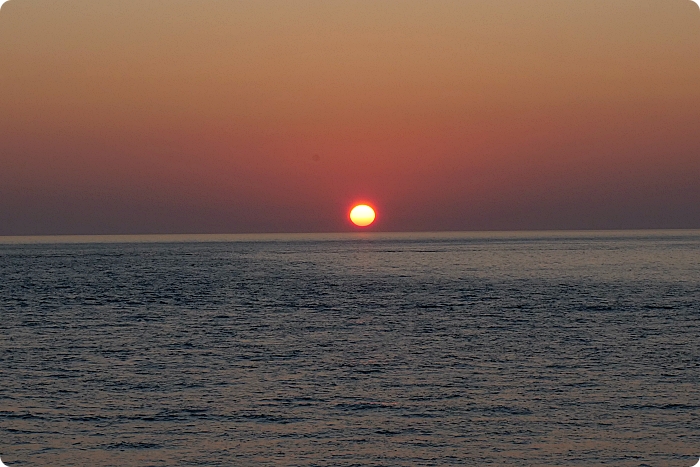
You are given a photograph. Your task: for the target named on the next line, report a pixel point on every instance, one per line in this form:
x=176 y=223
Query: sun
x=362 y=215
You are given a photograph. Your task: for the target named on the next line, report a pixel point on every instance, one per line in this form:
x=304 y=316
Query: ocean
x=507 y=349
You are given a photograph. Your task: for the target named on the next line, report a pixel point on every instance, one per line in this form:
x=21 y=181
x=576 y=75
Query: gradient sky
x=220 y=116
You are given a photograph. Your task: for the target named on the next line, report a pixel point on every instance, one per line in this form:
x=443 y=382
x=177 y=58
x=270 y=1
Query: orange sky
x=219 y=116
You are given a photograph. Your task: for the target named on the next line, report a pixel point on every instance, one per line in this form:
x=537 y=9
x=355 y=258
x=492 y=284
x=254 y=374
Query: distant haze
x=214 y=116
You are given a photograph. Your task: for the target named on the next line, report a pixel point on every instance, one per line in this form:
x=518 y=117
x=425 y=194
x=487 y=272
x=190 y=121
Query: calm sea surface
x=538 y=349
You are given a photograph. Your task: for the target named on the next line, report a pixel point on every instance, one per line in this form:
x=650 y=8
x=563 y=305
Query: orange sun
x=362 y=215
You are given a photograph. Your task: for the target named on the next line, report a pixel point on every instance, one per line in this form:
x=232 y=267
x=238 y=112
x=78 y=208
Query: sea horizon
x=332 y=236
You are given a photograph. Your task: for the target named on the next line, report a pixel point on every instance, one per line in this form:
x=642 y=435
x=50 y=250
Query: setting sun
x=362 y=215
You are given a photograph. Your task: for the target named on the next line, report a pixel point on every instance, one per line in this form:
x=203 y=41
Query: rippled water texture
x=575 y=349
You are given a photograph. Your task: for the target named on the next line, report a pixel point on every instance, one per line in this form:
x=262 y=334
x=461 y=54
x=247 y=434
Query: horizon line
x=318 y=236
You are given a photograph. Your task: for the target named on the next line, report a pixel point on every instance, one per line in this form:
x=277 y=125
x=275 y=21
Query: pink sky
x=275 y=116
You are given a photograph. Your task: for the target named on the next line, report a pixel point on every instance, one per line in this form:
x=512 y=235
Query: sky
x=222 y=116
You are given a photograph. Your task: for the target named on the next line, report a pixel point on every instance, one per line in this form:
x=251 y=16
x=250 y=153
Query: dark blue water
x=576 y=349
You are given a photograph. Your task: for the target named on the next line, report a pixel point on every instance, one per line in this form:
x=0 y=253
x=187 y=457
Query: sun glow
x=362 y=215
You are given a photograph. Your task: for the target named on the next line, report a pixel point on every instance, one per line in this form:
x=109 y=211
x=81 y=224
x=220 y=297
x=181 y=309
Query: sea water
x=518 y=349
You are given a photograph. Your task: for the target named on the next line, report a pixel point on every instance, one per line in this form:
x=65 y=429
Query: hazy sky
x=220 y=116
